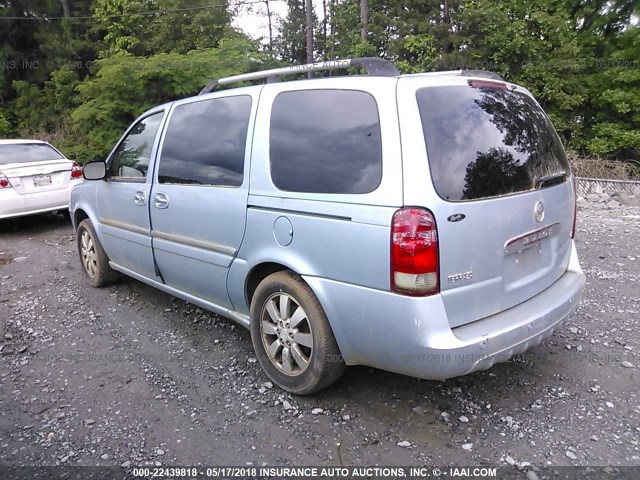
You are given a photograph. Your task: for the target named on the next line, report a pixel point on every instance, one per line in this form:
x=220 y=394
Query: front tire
x=292 y=337
x=95 y=263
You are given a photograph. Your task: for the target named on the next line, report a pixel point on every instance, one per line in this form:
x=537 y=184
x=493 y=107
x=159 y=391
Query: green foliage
x=613 y=126
x=81 y=82
x=137 y=34
x=579 y=63
x=345 y=19
x=125 y=86
x=5 y=125
x=422 y=49
x=45 y=109
x=292 y=43
x=533 y=45
x=60 y=90
x=94 y=77
x=30 y=107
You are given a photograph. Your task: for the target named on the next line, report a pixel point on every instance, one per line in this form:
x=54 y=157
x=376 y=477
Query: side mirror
x=95 y=170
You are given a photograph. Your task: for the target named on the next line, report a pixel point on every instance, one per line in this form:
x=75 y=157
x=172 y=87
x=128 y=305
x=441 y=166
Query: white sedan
x=34 y=178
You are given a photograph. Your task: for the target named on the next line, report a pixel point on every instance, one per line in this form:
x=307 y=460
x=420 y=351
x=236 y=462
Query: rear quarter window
x=325 y=141
x=488 y=142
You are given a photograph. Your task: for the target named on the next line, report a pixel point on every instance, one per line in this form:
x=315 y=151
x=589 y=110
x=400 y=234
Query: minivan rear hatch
x=504 y=203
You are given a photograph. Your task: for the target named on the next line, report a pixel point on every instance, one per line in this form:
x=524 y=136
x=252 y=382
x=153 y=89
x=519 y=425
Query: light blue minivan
x=421 y=224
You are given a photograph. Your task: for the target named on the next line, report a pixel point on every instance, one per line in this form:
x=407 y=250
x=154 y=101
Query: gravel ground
x=128 y=375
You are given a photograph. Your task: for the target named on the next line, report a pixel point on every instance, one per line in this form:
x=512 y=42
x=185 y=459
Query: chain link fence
x=603 y=185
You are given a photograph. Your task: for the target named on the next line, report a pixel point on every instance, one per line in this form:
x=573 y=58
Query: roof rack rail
x=373 y=66
x=468 y=73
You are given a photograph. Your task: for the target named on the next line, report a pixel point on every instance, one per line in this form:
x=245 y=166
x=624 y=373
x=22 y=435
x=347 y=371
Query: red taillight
x=575 y=205
x=76 y=170
x=414 y=252
x=4 y=181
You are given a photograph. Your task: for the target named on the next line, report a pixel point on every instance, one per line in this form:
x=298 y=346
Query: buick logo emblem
x=456 y=217
x=538 y=212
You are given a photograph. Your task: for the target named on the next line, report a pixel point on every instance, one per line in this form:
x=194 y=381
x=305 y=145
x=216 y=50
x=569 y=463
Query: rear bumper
x=12 y=204
x=412 y=336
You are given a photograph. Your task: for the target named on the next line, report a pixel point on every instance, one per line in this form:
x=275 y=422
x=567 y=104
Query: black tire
x=324 y=365
x=94 y=262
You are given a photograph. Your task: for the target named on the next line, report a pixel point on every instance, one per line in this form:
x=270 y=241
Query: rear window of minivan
x=487 y=142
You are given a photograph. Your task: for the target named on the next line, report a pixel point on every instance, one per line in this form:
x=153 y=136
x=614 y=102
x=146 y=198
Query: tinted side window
x=205 y=142
x=325 y=141
x=132 y=157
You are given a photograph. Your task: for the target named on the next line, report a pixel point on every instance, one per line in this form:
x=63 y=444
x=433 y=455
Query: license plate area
x=530 y=239
x=42 y=181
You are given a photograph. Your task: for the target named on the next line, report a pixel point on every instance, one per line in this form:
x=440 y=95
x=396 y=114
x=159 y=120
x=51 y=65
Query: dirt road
x=128 y=375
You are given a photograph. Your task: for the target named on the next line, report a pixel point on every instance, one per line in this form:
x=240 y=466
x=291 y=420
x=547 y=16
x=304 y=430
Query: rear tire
x=94 y=261
x=292 y=337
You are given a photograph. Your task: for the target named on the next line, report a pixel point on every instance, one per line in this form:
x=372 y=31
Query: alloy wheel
x=88 y=254
x=286 y=334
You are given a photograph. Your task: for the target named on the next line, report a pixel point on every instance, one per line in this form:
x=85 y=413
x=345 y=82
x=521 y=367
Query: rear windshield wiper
x=550 y=180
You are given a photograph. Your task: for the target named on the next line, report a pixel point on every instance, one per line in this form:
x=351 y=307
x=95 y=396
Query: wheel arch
x=258 y=273
x=78 y=216
x=262 y=270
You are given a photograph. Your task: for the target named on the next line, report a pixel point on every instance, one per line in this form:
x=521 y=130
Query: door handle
x=140 y=198
x=161 y=200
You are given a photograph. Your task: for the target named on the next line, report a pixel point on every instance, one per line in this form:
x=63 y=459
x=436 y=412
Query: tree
x=180 y=25
x=364 y=20
x=493 y=173
x=270 y=24
x=292 y=44
x=309 y=31
x=578 y=57
x=69 y=43
x=37 y=56
x=125 y=86
x=612 y=121
x=19 y=43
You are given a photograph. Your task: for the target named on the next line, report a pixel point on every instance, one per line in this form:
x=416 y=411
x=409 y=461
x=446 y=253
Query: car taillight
x=486 y=84
x=76 y=170
x=575 y=205
x=414 y=252
x=4 y=181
